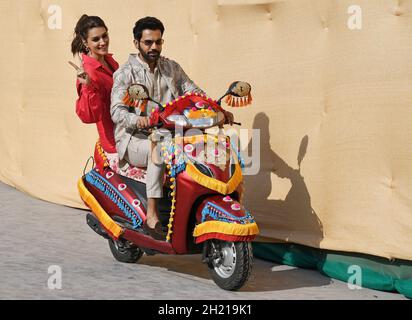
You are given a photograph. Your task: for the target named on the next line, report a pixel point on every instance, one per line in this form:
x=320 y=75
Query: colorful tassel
x=237 y=102
x=129 y=101
x=143 y=106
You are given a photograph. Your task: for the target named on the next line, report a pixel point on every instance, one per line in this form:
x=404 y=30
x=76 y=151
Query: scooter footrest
x=95 y=225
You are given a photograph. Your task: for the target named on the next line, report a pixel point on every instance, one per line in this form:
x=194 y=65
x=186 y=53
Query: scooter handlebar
x=148 y=130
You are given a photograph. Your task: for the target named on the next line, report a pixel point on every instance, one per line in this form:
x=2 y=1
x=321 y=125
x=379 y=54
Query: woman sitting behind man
x=94 y=85
x=95 y=77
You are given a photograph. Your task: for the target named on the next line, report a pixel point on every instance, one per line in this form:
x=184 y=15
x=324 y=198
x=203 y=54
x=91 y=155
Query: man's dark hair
x=150 y=23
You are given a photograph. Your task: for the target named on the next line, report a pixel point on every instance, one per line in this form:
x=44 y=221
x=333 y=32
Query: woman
x=94 y=86
x=95 y=77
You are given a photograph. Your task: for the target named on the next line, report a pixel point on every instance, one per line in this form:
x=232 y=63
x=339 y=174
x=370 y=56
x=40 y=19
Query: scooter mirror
x=138 y=92
x=239 y=89
x=238 y=95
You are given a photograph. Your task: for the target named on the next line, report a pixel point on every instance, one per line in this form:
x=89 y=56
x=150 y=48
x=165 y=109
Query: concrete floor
x=36 y=235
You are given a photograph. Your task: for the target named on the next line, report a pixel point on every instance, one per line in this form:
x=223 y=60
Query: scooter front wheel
x=230 y=263
x=124 y=251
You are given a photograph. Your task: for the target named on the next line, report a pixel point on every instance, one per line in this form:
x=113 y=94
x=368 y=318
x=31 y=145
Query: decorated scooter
x=202 y=207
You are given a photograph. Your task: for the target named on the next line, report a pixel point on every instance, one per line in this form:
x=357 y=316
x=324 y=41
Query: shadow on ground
x=265 y=276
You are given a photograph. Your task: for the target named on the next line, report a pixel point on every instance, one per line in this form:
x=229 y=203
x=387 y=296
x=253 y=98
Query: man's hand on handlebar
x=143 y=122
x=229 y=118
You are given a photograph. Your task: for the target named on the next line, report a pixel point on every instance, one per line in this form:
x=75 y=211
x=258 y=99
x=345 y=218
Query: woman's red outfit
x=93 y=104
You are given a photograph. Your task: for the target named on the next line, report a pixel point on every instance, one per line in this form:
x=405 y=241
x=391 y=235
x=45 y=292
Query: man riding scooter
x=166 y=81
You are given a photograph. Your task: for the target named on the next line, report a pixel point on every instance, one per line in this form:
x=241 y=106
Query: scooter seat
x=135 y=173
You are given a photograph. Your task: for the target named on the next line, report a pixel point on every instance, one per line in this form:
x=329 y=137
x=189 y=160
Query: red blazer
x=93 y=104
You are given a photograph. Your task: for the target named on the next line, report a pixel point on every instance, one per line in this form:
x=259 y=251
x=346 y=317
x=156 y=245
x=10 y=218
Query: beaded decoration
x=175 y=160
x=102 y=154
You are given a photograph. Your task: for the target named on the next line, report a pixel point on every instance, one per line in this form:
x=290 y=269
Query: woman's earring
x=86 y=48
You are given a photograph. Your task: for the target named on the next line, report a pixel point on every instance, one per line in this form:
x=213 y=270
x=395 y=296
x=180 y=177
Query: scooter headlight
x=178 y=119
x=205 y=121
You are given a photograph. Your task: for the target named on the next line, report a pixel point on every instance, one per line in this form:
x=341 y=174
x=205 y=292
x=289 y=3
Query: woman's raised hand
x=82 y=75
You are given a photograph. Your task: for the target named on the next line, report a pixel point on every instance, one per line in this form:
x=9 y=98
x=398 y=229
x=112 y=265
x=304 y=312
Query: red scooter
x=202 y=207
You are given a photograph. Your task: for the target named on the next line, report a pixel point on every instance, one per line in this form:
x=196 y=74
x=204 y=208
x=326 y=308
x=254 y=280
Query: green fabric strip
x=358 y=269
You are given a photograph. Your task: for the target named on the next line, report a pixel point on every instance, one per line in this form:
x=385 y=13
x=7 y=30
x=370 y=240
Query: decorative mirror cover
x=239 y=94
x=136 y=94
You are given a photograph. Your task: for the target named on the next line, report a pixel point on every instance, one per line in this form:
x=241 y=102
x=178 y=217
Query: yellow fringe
x=212 y=183
x=234 y=229
x=102 y=216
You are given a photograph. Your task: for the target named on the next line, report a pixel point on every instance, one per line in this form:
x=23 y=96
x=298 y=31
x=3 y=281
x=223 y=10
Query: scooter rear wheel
x=230 y=263
x=123 y=251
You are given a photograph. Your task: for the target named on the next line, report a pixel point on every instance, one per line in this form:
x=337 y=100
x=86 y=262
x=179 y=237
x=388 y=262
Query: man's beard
x=148 y=56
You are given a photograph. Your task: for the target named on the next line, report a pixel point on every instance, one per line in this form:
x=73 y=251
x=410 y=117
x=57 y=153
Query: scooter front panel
x=224 y=216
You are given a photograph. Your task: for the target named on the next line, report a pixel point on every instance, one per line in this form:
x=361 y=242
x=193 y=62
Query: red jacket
x=93 y=104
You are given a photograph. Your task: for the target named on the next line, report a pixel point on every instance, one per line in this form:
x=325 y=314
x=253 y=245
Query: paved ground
x=36 y=235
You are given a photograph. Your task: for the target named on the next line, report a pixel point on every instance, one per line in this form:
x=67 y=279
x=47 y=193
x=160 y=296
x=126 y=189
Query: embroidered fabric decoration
x=201 y=110
x=192 y=101
x=115 y=196
x=135 y=95
x=236 y=97
x=131 y=172
x=215 y=213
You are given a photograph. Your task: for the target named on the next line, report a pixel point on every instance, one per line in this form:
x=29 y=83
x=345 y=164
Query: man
x=166 y=81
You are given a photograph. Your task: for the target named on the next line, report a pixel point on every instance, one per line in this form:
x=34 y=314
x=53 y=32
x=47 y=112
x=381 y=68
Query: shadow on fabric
x=292 y=218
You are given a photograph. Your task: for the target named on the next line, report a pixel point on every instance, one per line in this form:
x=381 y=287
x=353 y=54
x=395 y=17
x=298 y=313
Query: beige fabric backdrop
x=335 y=98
